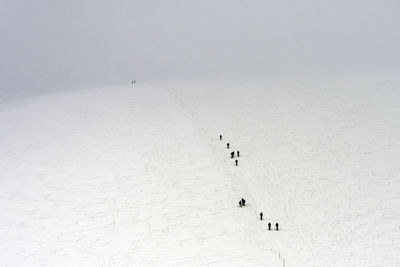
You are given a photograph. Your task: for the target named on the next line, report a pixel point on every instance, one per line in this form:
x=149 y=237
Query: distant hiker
x=240 y=203
x=134 y=81
x=277 y=226
x=232 y=154
x=236 y=162
x=243 y=202
x=238 y=153
x=261 y=215
x=220 y=137
x=227 y=145
x=269 y=226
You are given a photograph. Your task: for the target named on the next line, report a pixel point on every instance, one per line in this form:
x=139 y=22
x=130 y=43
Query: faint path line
x=237 y=182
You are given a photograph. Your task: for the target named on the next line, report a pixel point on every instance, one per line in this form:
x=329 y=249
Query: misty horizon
x=48 y=46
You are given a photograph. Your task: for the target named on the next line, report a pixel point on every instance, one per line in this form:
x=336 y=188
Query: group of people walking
x=232 y=153
x=242 y=202
x=269 y=224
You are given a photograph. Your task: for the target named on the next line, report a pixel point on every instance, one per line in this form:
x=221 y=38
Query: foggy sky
x=49 y=45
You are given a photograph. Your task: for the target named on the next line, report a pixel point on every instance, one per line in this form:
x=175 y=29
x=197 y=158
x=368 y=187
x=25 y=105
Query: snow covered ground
x=136 y=176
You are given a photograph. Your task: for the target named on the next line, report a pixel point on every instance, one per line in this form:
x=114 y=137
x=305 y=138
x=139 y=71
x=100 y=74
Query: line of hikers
x=269 y=224
x=233 y=152
x=242 y=202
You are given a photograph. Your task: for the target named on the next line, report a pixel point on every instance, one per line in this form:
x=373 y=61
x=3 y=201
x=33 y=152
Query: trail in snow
x=137 y=176
x=111 y=177
x=314 y=159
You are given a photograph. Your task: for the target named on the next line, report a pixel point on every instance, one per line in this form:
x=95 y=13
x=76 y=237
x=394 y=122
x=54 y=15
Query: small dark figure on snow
x=236 y=162
x=277 y=226
x=238 y=153
x=261 y=215
x=227 y=145
x=220 y=137
x=240 y=203
x=243 y=202
x=269 y=226
x=232 y=154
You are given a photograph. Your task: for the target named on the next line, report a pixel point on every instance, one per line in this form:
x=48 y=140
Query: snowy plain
x=136 y=175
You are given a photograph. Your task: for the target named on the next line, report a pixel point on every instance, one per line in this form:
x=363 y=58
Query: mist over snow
x=50 y=46
x=98 y=171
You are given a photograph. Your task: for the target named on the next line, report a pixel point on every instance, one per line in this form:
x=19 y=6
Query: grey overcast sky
x=50 y=45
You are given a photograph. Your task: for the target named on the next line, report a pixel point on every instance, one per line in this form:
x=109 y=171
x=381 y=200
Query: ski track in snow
x=136 y=176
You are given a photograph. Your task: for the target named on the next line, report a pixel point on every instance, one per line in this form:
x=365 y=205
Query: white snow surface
x=137 y=176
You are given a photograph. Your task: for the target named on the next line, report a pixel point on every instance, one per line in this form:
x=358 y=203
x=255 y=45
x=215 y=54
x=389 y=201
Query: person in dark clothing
x=243 y=202
x=261 y=215
x=240 y=203
x=236 y=162
x=269 y=226
x=232 y=154
x=277 y=226
x=237 y=152
x=220 y=137
x=227 y=145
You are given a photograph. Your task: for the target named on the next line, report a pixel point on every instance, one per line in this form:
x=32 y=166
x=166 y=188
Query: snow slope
x=136 y=176
x=115 y=177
